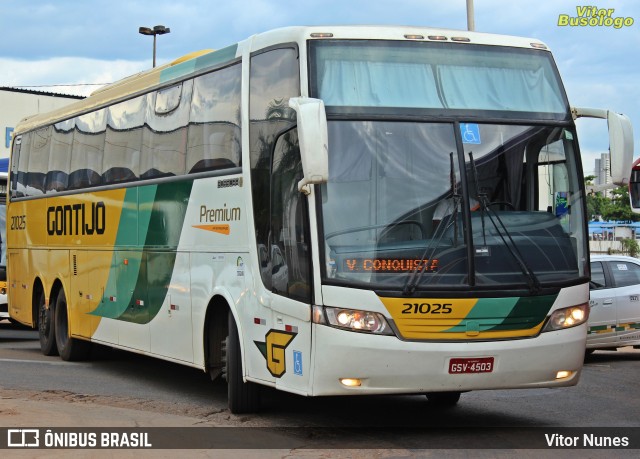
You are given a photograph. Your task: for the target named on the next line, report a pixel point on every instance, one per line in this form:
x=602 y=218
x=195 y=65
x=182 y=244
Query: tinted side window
x=624 y=273
x=597 y=275
x=38 y=161
x=274 y=79
x=19 y=161
x=59 y=156
x=87 y=150
x=165 y=134
x=123 y=142
x=291 y=273
x=214 y=122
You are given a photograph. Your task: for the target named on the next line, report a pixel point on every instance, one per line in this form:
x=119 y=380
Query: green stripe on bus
x=528 y=312
x=200 y=63
x=142 y=281
x=166 y=208
x=503 y=314
x=125 y=265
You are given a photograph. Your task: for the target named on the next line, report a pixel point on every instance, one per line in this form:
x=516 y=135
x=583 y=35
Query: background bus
x=267 y=213
x=4 y=306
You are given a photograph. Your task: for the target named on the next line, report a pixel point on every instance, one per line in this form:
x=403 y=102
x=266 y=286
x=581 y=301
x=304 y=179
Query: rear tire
x=443 y=399
x=70 y=349
x=46 y=327
x=244 y=397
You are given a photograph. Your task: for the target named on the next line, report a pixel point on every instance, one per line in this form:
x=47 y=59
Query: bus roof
x=201 y=61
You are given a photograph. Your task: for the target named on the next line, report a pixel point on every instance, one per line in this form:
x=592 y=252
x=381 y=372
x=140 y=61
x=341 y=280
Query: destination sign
x=389 y=265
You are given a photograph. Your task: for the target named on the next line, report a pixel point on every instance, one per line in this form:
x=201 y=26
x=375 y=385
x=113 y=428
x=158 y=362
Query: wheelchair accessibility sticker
x=297 y=363
x=470 y=133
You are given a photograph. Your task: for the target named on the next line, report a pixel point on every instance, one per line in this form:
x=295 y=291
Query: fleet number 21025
x=427 y=308
x=18 y=222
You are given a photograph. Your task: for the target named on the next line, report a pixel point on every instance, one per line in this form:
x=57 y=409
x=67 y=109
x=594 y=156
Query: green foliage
x=631 y=247
x=616 y=208
x=597 y=205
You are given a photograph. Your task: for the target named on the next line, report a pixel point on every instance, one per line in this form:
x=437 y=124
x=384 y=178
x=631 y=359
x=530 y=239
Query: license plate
x=471 y=365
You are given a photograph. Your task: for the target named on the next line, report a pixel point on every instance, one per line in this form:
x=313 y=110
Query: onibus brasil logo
x=592 y=16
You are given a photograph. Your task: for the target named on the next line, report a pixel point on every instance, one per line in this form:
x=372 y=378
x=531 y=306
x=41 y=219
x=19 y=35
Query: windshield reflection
x=399 y=212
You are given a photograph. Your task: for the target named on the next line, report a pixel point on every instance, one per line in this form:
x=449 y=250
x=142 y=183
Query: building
x=603 y=178
x=16 y=104
x=607 y=237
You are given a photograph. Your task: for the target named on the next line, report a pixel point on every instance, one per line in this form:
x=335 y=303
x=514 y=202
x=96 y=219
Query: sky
x=74 y=46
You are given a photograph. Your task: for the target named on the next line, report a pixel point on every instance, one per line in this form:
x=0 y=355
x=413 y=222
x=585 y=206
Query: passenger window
x=123 y=143
x=168 y=99
x=19 y=161
x=214 y=123
x=165 y=133
x=625 y=273
x=87 y=151
x=597 y=276
x=38 y=161
x=59 y=156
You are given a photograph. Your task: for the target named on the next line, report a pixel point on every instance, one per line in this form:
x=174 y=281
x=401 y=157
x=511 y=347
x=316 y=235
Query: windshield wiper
x=485 y=208
x=447 y=221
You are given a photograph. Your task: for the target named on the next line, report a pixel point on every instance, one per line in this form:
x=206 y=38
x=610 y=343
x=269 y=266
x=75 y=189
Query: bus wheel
x=443 y=399
x=244 y=397
x=46 y=328
x=69 y=348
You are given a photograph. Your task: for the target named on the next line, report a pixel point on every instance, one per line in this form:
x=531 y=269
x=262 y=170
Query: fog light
x=351 y=382
x=562 y=374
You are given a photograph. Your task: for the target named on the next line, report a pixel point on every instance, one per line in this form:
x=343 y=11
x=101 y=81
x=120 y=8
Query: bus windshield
x=437 y=75
x=450 y=166
x=394 y=209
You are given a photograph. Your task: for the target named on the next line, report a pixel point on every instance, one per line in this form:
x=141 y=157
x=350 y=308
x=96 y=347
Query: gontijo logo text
x=76 y=219
x=592 y=16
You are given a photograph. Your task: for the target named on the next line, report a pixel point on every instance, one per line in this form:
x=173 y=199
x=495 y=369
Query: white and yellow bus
x=4 y=305
x=323 y=210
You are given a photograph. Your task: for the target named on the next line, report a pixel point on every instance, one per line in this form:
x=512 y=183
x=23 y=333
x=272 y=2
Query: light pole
x=157 y=30
x=471 y=24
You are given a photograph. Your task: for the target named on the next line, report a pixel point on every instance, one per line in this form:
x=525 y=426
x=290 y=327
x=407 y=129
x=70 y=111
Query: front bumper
x=387 y=365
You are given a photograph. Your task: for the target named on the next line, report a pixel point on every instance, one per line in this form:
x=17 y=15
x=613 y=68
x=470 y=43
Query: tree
x=619 y=208
x=597 y=206
x=630 y=246
x=616 y=208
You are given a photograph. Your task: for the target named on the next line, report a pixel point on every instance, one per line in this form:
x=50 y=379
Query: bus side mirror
x=620 y=147
x=313 y=139
x=620 y=141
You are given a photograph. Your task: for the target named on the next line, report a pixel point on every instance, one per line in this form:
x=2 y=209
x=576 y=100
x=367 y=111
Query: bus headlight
x=352 y=319
x=567 y=317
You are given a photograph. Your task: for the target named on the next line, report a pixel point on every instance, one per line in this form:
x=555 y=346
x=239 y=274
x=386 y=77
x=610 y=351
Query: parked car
x=614 y=319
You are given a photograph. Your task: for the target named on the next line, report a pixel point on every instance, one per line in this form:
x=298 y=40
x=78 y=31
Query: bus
x=4 y=305
x=634 y=187
x=325 y=211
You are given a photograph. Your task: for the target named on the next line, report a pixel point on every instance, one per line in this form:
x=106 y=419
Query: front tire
x=46 y=327
x=244 y=397
x=70 y=349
